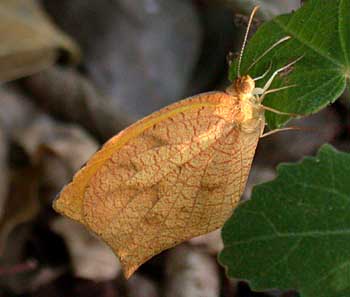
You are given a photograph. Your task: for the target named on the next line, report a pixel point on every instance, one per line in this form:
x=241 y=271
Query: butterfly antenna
x=245 y=39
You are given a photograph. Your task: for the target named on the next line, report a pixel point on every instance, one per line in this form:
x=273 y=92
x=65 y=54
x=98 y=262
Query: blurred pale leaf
x=29 y=41
x=268 y=8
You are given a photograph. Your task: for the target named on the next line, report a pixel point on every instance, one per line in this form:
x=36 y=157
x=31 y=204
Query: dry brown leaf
x=22 y=204
x=190 y=272
x=211 y=242
x=54 y=152
x=134 y=48
x=69 y=142
x=3 y=171
x=29 y=41
x=140 y=286
x=174 y=175
x=91 y=259
x=16 y=111
x=13 y=259
x=69 y=95
x=57 y=149
x=63 y=154
x=20 y=201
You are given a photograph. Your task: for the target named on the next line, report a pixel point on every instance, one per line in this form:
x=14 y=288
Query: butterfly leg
x=279 y=112
x=283 y=129
x=269 y=82
x=264 y=74
x=258 y=92
x=262 y=92
x=261 y=98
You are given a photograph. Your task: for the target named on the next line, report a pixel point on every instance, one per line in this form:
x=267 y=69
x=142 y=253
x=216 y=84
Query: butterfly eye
x=245 y=85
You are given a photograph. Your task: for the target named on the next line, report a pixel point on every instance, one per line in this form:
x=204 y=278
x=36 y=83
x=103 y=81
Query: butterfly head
x=244 y=85
x=248 y=102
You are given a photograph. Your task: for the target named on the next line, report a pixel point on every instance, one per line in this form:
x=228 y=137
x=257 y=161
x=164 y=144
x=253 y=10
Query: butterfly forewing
x=177 y=177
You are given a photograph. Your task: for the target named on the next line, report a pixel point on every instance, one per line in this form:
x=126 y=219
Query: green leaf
x=294 y=233
x=320 y=33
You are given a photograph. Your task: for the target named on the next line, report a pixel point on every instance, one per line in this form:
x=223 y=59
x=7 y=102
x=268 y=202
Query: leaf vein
x=314 y=233
x=294 y=34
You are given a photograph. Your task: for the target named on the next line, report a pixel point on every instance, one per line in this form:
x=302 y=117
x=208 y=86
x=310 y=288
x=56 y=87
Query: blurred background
x=76 y=72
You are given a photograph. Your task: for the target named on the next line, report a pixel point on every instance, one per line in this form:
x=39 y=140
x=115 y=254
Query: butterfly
x=173 y=175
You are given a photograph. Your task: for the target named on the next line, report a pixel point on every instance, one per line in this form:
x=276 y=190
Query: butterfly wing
x=169 y=177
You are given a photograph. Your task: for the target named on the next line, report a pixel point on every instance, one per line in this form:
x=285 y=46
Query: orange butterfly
x=174 y=175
